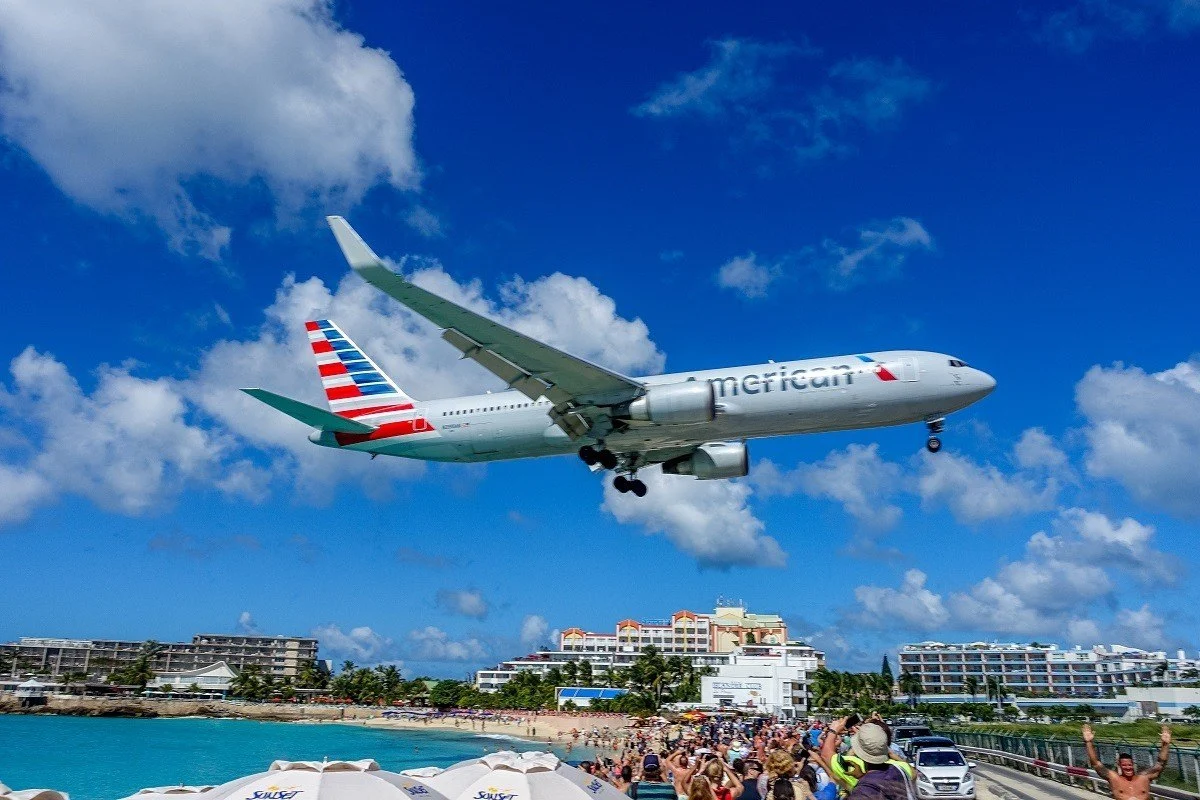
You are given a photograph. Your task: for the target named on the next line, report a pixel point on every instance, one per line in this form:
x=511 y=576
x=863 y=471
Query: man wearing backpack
x=882 y=778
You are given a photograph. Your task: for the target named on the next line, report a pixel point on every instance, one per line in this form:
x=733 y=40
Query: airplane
x=692 y=423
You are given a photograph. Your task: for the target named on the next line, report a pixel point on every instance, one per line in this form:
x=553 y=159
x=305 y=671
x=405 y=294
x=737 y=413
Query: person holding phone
x=846 y=770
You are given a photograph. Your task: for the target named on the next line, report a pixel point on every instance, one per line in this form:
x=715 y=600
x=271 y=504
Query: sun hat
x=870 y=743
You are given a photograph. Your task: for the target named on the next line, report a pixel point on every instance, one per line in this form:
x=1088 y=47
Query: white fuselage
x=773 y=399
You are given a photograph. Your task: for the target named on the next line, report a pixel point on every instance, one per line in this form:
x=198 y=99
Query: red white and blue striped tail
x=355 y=386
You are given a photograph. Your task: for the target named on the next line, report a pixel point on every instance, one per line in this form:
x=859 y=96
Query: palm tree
x=971 y=686
x=348 y=666
x=570 y=672
x=247 y=683
x=585 y=673
x=194 y=689
x=910 y=684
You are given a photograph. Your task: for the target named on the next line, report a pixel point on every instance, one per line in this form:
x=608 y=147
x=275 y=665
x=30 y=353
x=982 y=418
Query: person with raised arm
x=1125 y=782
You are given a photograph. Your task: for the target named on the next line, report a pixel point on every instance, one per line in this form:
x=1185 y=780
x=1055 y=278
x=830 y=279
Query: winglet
x=353 y=247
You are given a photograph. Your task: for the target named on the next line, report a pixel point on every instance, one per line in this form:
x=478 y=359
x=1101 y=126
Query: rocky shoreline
x=223 y=709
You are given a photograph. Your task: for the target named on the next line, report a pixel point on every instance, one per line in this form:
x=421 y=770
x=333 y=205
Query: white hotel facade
x=1099 y=671
x=707 y=640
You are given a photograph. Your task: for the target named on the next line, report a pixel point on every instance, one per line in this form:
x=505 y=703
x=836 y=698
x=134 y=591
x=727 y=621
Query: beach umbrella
x=422 y=772
x=167 y=792
x=324 y=780
x=31 y=794
x=524 y=776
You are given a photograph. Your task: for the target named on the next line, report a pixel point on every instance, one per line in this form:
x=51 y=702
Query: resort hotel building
x=707 y=640
x=1042 y=669
x=278 y=656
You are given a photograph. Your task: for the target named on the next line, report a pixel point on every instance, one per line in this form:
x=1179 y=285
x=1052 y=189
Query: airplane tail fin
x=355 y=386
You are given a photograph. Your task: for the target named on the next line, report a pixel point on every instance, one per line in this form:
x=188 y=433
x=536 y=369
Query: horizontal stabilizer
x=309 y=415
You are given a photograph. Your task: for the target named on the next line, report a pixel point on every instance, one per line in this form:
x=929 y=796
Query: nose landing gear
x=935 y=426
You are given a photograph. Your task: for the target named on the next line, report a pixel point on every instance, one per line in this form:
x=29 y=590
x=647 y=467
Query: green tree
x=910 y=684
x=194 y=688
x=141 y=671
x=310 y=676
x=248 y=683
x=971 y=686
x=885 y=671
x=586 y=678
x=446 y=694
x=1192 y=712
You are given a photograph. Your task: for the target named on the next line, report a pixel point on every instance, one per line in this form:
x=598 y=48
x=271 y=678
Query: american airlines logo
x=784 y=380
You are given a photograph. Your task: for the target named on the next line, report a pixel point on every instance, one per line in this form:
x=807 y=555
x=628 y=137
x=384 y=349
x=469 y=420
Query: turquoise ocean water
x=103 y=759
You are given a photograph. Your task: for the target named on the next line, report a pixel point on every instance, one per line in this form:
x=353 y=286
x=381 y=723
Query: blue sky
x=645 y=187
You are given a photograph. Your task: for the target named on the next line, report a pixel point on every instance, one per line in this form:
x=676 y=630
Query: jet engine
x=676 y=404
x=711 y=461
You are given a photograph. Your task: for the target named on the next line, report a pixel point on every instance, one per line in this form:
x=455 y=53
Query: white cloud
x=739 y=72
x=856 y=477
x=912 y=606
x=746 y=276
x=434 y=644
x=976 y=493
x=358 y=644
x=1141 y=628
x=535 y=631
x=1052 y=590
x=709 y=520
x=425 y=222
x=22 y=490
x=1143 y=430
x=246 y=623
x=1037 y=450
x=129 y=446
x=1123 y=545
x=1083 y=24
x=879 y=253
x=464 y=602
x=134 y=111
x=758 y=88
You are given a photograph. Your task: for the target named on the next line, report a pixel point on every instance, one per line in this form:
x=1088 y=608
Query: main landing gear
x=623 y=485
x=935 y=426
x=605 y=457
x=609 y=460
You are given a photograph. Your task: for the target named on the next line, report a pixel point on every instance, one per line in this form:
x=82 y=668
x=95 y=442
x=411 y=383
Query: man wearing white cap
x=882 y=779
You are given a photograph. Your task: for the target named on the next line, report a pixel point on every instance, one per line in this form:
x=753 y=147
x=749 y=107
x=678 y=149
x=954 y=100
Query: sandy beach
x=543 y=727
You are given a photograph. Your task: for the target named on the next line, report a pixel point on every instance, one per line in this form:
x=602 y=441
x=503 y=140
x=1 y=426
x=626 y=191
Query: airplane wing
x=578 y=389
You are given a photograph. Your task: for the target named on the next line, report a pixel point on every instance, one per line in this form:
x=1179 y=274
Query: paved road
x=1010 y=784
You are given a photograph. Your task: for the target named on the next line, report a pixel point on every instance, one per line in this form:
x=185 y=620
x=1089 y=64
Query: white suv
x=943 y=772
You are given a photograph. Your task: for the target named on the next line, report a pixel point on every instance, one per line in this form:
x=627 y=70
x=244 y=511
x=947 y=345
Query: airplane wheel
x=621 y=484
x=607 y=458
x=638 y=488
x=934 y=444
x=588 y=455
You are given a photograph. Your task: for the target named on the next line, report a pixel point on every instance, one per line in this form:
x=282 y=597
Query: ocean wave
x=507 y=737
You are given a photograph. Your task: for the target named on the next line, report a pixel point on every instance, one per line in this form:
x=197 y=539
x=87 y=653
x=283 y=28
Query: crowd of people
x=847 y=759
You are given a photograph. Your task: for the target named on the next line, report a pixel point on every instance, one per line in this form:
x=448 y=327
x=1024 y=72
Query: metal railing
x=1183 y=769
x=1066 y=774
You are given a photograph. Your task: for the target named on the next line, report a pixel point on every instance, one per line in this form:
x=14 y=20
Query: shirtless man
x=1126 y=782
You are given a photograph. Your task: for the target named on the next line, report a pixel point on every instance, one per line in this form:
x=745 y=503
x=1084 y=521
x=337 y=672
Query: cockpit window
x=954 y=362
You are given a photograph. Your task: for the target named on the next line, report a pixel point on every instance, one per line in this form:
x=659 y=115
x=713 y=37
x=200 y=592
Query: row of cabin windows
x=494 y=408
